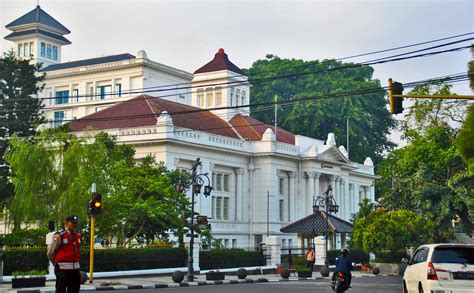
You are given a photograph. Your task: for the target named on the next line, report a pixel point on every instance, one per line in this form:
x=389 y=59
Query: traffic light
x=396 y=103
x=94 y=205
x=97 y=202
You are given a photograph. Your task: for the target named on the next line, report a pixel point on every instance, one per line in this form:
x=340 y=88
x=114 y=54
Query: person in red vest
x=64 y=253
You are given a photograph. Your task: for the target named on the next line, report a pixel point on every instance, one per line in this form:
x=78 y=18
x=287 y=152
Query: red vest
x=68 y=251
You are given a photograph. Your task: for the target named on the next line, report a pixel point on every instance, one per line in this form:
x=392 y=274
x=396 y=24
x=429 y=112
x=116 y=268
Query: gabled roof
x=87 y=62
x=220 y=62
x=144 y=110
x=332 y=153
x=38 y=31
x=252 y=129
x=316 y=223
x=38 y=15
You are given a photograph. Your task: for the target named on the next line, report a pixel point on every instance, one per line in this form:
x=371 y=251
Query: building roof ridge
x=38 y=15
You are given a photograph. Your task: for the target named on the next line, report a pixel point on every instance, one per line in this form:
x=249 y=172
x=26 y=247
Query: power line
x=310 y=63
x=266 y=79
x=282 y=103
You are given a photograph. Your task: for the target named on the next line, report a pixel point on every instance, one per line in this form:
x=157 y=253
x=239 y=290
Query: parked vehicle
x=440 y=268
x=340 y=283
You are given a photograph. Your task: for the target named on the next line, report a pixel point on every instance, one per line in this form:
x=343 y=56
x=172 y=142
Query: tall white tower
x=220 y=83
x=38 y=36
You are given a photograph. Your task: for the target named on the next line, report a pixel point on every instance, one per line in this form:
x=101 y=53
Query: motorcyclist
x=344 y=265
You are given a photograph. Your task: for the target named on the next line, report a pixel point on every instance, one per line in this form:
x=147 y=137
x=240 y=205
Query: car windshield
x=462 y=255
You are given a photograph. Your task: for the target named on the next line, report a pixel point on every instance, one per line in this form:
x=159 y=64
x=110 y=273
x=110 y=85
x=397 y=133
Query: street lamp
x=197 y=181
x=329 y=203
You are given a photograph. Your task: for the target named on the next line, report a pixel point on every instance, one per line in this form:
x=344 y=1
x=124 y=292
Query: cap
x=72 y=218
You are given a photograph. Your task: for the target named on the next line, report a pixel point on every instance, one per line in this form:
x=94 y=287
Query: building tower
x=38 y=36
x=220 y=83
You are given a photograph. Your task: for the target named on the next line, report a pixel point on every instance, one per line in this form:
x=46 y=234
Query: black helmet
x=344 y=251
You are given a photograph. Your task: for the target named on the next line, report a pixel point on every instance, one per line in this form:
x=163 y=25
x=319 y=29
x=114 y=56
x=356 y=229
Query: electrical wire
x=266 y=79
x=267 y=104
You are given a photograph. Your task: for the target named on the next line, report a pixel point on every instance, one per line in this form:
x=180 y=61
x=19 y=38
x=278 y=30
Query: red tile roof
x=144 y=110
x=253 y=129
x=220 y=62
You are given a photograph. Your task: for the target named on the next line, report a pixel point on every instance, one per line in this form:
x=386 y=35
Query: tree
x=390 y=231
x=428 y=176
x=20 y=112
x=139 y=199
x=145 y=204
x=370 y=121
x=465 y=138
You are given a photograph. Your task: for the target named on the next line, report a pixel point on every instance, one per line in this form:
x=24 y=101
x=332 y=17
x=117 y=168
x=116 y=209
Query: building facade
x=263 y=177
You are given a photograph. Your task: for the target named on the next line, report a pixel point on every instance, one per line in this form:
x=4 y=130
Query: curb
x=182 y=284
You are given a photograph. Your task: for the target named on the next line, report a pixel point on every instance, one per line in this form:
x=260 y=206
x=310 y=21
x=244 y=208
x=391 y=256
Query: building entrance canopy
x=316 y=224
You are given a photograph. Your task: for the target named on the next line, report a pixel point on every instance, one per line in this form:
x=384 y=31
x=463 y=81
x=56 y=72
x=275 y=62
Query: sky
x=187 y=34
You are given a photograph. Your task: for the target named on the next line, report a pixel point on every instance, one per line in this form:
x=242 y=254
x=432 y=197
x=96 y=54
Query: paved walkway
x=150 y=282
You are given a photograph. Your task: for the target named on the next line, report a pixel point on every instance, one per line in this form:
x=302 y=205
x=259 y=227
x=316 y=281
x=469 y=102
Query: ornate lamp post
x=197 y=181
x=329 y=203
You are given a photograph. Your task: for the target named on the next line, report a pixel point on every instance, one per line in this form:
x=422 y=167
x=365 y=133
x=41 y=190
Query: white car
x=440 y=268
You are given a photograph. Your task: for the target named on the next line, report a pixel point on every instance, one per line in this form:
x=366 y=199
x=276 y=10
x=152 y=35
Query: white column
x=372 y=193
x=357 y=196
x=196 y=247
x=274 y=248
x=238 y=210
x=347 y=200
x=337 y=193
x=310 y=193
x=332 y=179
x=351 y=199
x=292 y=201
x=317 y=192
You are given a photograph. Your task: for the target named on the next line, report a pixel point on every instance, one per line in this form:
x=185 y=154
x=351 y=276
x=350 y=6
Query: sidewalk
x=151 y=282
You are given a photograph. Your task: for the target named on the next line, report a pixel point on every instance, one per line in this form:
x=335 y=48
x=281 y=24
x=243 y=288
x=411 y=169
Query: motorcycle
x=340 y=282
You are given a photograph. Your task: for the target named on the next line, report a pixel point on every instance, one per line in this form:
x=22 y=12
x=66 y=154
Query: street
x=359 y=285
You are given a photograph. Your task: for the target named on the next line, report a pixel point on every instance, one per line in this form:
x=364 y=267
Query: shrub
x=229 y=258
x=122 y=259
x=355 y=255
x=388 y=257
x=30 y=237
x=119 y=259
x=17 y=259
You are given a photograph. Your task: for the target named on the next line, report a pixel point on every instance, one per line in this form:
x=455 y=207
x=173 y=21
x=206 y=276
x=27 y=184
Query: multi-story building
x=263 y=177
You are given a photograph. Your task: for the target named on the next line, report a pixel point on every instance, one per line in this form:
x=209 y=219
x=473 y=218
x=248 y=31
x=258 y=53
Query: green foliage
x=465 y=139
x=139 y=199
x=229 y=258
x=370 y=122
x=21 y=112
x=30 y=237
x=24 y=259
x=428 y=176
x=32 y=273
x=390 y=257
x=304 y=269
x=123 y=259
x=393 y=231
x=355 y=255
x=365 y=208
x=27 y=259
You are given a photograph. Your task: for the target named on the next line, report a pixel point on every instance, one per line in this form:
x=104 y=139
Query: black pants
x=68 y=281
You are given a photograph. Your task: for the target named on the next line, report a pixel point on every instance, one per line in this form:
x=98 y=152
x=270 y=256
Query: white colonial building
x=264 y=178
